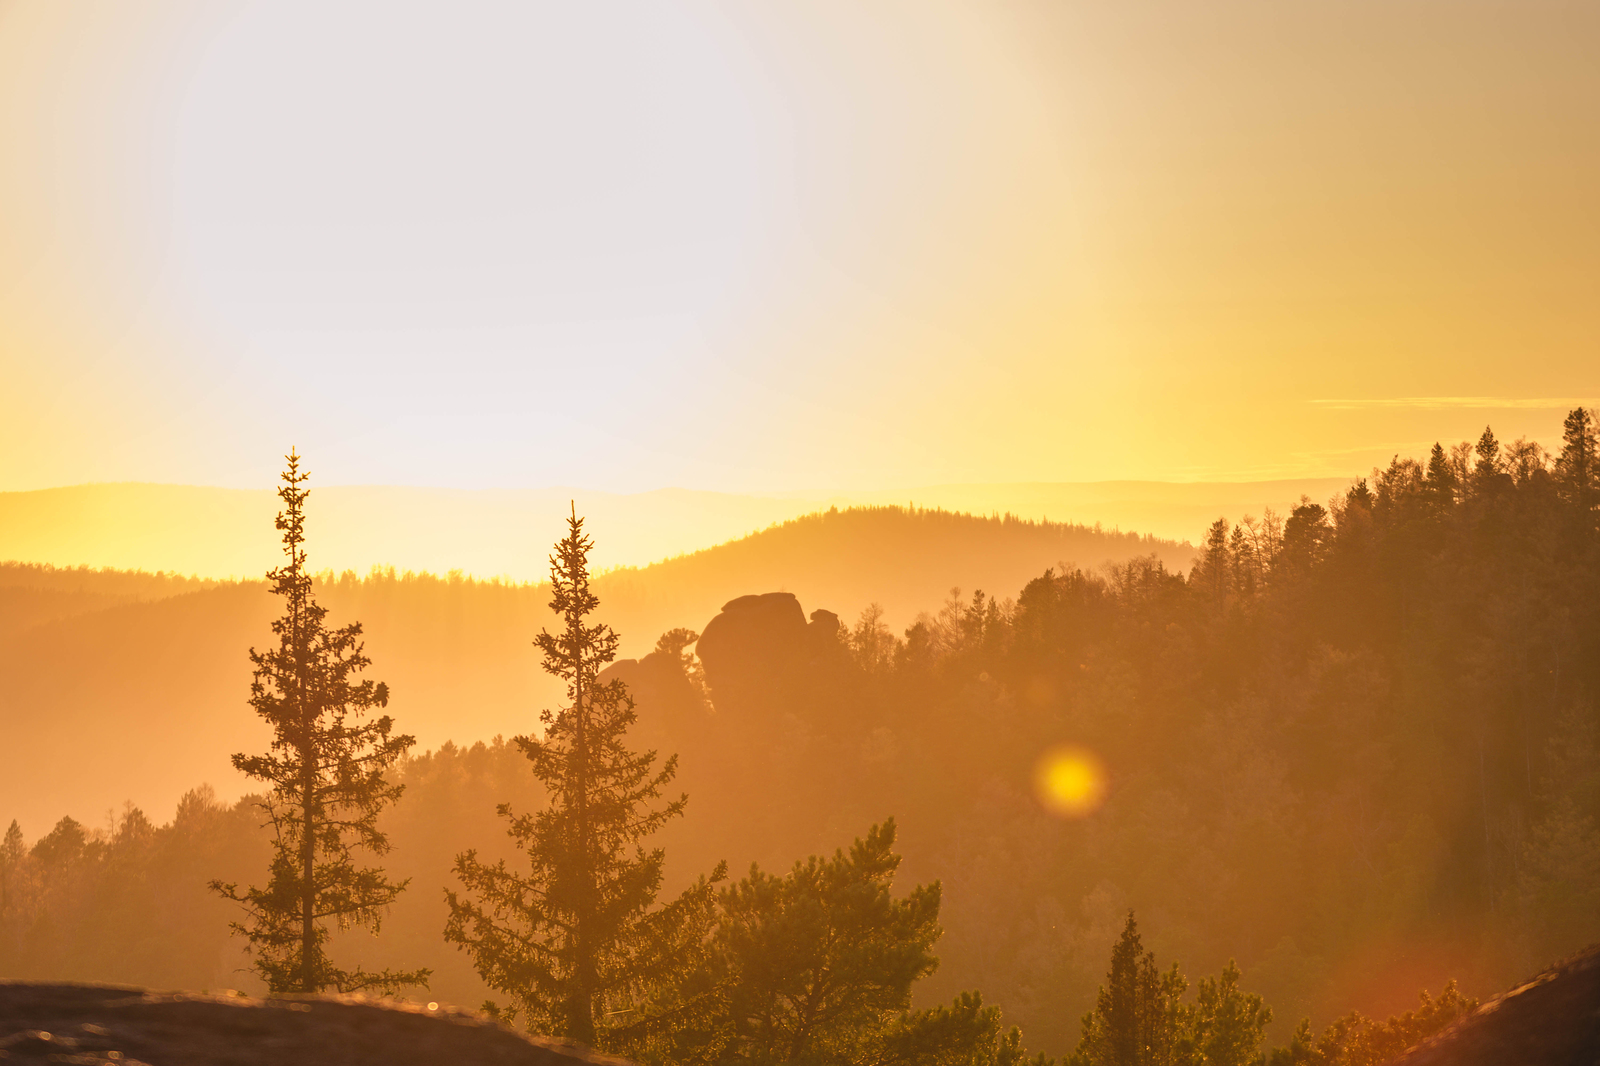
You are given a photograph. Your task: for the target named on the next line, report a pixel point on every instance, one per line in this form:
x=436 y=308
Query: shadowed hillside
x=129 y=686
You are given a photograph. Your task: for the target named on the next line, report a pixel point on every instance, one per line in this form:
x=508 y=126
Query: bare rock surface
x=107 y=1024
x=1551 y=1020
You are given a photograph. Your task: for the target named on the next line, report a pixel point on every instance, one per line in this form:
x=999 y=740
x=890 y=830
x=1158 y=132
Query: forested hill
x=906 y=561
x=1357 y=749
x=221 y=532
x=126 y=686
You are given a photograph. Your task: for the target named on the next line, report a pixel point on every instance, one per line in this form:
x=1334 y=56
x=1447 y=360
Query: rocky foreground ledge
x=109 y=1025
x=1550 y=1020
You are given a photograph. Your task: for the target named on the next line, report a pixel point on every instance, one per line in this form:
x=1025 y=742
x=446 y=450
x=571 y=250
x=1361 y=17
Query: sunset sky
x=781 y=246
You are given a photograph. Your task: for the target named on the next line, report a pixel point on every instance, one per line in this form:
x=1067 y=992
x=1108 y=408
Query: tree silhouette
x=1226 y=1024
x=577 y=937
x=1578 y=466
x=326 y=772
x=820 y=962
x=1137 y=1019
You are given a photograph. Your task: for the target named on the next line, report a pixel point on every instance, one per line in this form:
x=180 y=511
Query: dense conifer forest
x=1351 y=753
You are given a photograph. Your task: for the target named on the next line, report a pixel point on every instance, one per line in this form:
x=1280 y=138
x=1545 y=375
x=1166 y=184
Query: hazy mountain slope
x=504 y=532
x=144 y=697
x=1177 y=509
x=485 y=532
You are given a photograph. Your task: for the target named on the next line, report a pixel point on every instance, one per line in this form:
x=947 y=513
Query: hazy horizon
x=487 y=533
x=790 y=245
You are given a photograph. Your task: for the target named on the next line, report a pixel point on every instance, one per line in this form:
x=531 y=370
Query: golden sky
x=793 y=245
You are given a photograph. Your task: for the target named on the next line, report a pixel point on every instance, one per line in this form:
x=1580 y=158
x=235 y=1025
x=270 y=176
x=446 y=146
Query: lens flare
x=1070 y=782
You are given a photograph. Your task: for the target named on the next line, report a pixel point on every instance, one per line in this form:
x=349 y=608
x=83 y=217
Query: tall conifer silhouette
x=1578 y=466
x=1137 y=1020
x=327 y=786
x=577 y=938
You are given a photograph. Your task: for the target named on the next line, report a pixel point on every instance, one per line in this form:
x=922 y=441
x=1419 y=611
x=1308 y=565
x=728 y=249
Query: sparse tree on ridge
x=1490 y=464
x=1578 y=466
x=577 y=942
x=1441 y=478
x=327 y=785
x=1213 y=570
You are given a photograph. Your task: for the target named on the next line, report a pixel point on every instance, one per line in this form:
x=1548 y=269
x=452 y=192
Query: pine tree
x=966 y=1033
x=327 y=786
x=1227 y=1024
x=819 y=964
x=578 y=937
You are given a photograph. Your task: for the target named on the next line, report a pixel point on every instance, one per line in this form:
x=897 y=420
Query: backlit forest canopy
x=1355 y=748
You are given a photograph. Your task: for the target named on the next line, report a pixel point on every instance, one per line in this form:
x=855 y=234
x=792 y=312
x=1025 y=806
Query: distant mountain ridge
x=220 y=533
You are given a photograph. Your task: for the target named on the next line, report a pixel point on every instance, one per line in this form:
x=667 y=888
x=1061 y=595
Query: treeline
x=129 y=903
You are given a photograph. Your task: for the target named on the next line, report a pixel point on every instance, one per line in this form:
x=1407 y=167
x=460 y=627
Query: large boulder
x=108 y=1024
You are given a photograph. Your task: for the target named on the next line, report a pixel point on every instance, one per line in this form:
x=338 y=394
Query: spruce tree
x=577 y=940
x=1213 y=571
x=1490 y=465
x=1578 y=466
x=13 y=852
x=1441 y=482
x=1137 y=1019
x=327 y=786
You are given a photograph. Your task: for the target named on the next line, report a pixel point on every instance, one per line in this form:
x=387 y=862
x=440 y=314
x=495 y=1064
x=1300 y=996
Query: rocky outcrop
x=107 y=1024
x=761 y=646
x=672 y=711
x=1551 y=1020
x=754 y=641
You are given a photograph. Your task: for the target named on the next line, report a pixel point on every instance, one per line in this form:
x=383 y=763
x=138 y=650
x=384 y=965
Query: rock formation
x=107 y=1025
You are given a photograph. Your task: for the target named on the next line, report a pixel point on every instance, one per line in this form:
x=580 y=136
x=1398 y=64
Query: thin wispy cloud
x=1491 y=403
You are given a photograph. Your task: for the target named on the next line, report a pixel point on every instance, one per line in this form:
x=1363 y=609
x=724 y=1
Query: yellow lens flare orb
x=1070 y=781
